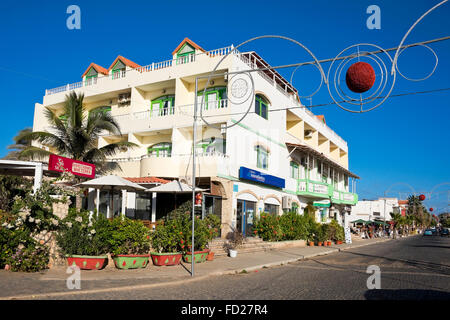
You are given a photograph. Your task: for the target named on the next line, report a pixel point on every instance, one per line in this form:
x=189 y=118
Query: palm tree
x=76 y=135
x=22 y=142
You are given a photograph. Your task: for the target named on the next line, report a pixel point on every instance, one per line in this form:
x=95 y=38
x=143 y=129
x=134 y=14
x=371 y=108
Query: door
x=246 y=211
x=240 y=215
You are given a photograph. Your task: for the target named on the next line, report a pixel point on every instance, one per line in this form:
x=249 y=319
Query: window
x=212 y=145
x=271 y=208
x=89 y=80
x=163 y=149
x=163 y=106
x=118 y=71
x=325 y=173
x=214 y=98
x=261 y=106
x=104 y=110
x=294 y=207
x=262 y=157
x=294 y=170
x=185 y=54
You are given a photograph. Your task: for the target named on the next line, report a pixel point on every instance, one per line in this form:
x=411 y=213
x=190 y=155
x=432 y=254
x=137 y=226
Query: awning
x=322 y=157
x=111 y=182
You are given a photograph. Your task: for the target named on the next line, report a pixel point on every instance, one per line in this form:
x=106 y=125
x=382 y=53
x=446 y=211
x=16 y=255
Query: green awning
x=359 y=221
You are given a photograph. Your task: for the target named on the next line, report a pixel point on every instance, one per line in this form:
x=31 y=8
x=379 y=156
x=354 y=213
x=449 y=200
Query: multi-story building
x=279 y=157
x=379 y=209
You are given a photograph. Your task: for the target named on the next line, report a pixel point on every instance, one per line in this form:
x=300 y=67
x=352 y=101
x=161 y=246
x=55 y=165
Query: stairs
x=251 y=244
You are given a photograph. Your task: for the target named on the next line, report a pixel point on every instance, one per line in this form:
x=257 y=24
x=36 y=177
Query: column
x=38 y=172
x=154 y=206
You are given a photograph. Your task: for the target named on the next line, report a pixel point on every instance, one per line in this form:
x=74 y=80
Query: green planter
x=199 y=256
x=131 y=261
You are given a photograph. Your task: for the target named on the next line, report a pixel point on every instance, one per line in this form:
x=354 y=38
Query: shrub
x=30 y=259
x=128 y=237
x=268 y=227
x=204 y=229
x=168 y=237
x=336 y=232
x=10 y=240
x=79 y=235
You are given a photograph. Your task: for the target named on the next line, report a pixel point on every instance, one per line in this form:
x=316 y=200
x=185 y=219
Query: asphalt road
x=410 y=268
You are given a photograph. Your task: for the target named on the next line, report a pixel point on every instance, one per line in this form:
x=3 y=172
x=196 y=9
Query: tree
x=21 y=142
x=76 y=134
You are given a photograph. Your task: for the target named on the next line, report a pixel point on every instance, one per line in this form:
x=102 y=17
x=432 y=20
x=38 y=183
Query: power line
x=333 y=103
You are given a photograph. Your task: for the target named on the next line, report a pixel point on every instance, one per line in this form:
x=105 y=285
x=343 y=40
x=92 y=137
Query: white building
x=379 y=209
x=279 y=157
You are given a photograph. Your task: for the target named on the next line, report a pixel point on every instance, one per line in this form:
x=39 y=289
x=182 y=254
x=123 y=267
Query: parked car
x=445 y=232
x=428 y=232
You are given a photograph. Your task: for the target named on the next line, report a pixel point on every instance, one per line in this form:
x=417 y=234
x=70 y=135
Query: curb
x=218 y=273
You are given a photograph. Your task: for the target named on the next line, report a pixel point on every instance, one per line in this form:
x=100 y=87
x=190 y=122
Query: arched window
x=262 y=157
x=212 y=145
x=162 y=106
x=163 y=149
x=215 y=98
x=261 y=106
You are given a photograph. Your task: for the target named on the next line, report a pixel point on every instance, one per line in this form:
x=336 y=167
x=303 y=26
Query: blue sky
x=402 y=143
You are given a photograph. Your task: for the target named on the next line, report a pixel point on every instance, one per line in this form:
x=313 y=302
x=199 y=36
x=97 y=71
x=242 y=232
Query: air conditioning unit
x=286 y=202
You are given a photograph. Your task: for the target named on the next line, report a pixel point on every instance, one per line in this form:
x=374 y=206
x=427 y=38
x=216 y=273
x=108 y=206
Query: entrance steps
x=250 y=244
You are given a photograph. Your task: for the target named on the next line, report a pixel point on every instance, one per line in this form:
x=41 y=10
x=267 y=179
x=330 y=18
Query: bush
x=336 y=232
x=128 y=237
x=168 y=237
x=30 y=259
x=268 y=227
x=181 y=220
x=10 y=240
x=79 y=235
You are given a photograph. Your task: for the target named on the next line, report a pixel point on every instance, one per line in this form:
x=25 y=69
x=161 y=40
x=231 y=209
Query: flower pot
x=232 y=253
x=319 y=243
x=166 y=259
x=210 y=256
x=339 y=242
x=328 y=243
x=199 y=256
x=311 y=243
x=131 y=261
x=87 y=262
x=325 y=243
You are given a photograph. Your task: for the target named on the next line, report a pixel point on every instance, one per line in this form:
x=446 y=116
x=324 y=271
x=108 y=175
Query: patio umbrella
x=174 y=187
x=111 y=183
x=358 y=221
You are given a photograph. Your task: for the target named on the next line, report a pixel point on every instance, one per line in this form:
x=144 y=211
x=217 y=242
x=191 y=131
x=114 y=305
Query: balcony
x=323 y=190
x=147 y=120
x=179 y=165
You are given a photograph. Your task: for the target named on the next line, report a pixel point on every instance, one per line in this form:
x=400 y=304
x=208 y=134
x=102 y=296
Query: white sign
x=348 y=235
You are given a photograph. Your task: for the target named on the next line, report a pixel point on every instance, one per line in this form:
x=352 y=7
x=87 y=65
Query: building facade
x=278 y=157
x=379 y=209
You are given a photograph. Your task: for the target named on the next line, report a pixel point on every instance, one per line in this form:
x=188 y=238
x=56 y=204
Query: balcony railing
x=148 y=68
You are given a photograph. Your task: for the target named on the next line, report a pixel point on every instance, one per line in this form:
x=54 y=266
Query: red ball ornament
x=431 y=209
x=421 y=197
x=360 y=77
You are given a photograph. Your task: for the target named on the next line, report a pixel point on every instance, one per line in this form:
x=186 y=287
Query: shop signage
x=78 y=168
x=322 y=203
x=257 y=176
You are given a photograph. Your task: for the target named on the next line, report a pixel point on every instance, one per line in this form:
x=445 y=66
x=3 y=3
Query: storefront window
x=271 y=208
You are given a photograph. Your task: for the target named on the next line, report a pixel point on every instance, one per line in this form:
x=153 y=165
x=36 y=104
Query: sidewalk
x=53 y=282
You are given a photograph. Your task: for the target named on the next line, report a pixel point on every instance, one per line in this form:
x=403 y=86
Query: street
x=411 y=268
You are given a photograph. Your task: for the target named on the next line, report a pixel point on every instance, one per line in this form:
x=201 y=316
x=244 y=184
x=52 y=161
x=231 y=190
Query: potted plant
x=83 y=241
x=201 y=238
x=235 y=240
x=130 y=243
x=213 y=223
x=167 y=244
x=321 y=236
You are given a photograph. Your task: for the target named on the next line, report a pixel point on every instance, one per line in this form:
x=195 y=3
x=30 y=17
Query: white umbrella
x=111 y=183
x=174 y=187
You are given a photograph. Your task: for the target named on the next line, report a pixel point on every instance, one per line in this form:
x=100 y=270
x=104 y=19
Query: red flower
x=182 y=241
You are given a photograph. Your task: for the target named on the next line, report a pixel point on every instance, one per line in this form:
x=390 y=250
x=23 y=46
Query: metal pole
x=194 y=138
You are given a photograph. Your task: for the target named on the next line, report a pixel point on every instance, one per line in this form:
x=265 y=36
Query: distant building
x=379 y=209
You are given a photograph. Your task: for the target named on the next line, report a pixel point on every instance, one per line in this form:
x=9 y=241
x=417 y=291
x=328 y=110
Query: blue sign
x=257 y=176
